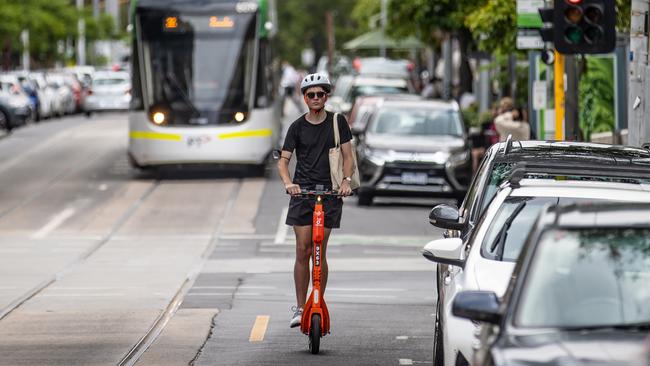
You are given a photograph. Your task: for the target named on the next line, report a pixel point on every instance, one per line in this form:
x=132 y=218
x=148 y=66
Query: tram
x=204 y=83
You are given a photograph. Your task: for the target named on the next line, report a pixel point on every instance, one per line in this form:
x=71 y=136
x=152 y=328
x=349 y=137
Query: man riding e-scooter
x=312 y=136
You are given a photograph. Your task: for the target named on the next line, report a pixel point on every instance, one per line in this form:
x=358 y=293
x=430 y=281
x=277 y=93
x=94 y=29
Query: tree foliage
x=49 y=22
x=494 y=26
x=302 y=25
x=596 y=93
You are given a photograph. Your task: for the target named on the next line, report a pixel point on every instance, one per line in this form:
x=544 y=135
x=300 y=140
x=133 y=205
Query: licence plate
x=414 y=178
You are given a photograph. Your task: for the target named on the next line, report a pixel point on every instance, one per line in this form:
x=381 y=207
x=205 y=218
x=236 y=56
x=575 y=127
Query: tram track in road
x=158 y=326
x=14 y=305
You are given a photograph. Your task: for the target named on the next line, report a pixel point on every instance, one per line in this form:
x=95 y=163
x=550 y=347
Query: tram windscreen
x=200 y=67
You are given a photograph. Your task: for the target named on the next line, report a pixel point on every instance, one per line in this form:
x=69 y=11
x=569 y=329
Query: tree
x=302 y=25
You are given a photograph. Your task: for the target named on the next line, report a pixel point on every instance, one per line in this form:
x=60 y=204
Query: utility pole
x=24 y=37
x=329 y=21
x=638 y=126
x=384 y=21
x=81 y=41
x=447 y=59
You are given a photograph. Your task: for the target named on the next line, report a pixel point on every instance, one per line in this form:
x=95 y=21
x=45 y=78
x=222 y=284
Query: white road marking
x=224 y=294
x=243 y=287
x=247 y=237
x=281 y=233
x=363 y=296
x=351 y=289
x=405 y=361
x=402 y=338
x=54 y=223
x=83 y=295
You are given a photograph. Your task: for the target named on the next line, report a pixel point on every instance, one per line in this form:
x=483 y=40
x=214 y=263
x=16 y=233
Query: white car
x=349 y=87
x=488 y=258
x=110 y=90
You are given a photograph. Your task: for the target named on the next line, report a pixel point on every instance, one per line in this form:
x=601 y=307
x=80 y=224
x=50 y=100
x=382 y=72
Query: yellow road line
x=155 y=136
x=266 y=132
x=259 y=328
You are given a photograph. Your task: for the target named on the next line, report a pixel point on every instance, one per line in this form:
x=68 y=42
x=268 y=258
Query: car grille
x=393 y=177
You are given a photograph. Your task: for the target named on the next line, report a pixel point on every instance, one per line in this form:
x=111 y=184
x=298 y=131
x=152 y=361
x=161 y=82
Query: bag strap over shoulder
x=337 y=138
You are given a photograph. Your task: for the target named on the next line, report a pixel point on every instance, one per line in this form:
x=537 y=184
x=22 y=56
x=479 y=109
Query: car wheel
x=4 y=122
x=364 y=198
x=438 y=350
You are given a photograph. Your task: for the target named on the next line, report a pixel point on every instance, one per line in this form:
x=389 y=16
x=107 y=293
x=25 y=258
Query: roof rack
x=520 y=170
x=508 y=144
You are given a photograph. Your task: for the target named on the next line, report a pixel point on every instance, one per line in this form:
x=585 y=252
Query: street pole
x=447 y=77
x=571 y=118
x=81 y=41
x=384 y=20
x=24 y=37
x=96 y=9
x=558 y=82
x=637 y=123
x=329 y=20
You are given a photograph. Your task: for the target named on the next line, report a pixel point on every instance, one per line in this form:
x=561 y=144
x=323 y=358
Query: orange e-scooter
x=315 y=322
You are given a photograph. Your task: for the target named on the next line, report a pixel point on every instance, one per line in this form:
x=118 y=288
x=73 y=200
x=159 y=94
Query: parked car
x=485 y=261
x=15 y=105
x=349 y=87
x=64 y=95
x=109 y=91
x=47 y=95
x=579 y=293
x=366 y=105
x=413 y=148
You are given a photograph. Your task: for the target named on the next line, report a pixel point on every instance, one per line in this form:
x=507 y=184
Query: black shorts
x=301 y=211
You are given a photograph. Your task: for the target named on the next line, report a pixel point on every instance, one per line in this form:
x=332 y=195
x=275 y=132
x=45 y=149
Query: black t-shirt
x=312 y=144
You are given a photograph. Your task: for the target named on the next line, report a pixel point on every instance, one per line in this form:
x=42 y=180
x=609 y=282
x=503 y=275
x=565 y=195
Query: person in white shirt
x=290 y=78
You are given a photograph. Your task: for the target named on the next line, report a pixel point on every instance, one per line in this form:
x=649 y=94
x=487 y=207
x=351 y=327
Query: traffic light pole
x=571 y=118
x=558 y=92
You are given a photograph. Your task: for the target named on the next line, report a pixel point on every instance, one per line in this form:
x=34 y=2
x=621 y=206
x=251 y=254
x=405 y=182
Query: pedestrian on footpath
x=510 y=121
x=312 y=137
x=290 y=78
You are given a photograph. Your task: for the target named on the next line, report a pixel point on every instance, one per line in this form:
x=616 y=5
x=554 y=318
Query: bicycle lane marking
x=281 y=233
x=259 y=328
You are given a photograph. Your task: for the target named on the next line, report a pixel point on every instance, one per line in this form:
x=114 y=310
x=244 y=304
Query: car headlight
x=459 y=157
x=377 y=156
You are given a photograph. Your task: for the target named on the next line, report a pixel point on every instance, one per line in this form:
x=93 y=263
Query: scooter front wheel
x=314 y=334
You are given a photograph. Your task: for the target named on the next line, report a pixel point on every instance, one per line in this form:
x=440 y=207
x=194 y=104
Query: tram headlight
x=158 y=118
x=240 y=116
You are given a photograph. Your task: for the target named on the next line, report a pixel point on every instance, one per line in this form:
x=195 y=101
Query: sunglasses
x=312 y=95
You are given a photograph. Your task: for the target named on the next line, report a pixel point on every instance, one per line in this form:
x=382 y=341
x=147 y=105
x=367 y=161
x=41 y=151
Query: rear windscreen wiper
x=500 y=240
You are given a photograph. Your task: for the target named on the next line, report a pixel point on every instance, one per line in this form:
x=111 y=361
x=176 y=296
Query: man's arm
x=283 y=169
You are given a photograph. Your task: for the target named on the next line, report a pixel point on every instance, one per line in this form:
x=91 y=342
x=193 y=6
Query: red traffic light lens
x=574 y=2
x=573 y=14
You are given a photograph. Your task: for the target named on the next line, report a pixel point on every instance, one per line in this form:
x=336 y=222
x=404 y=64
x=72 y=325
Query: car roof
x=629 y=192
x=423 y=103
x=375 y=81
x=518 y=151
x=599 y=215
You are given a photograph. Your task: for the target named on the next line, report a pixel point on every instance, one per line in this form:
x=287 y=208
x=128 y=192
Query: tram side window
x=266 y=84
x=136 y=86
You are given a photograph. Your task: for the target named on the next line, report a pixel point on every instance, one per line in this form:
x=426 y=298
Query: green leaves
x=597 y=96
x=49 y=22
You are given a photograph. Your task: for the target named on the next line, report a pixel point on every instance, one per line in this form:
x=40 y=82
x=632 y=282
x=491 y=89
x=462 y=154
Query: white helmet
x=315 y=80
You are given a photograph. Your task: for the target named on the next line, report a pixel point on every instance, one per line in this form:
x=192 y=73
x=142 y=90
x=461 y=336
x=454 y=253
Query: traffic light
x=580 y=26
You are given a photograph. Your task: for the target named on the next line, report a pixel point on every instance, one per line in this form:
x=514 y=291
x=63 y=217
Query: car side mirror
x=482 y=306
x=446 y=217
x=446 y=251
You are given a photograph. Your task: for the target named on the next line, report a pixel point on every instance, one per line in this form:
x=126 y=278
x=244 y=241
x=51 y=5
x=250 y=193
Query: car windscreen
x=109 y=81
x=417 y=122
x=588 y=278
x=512 y=224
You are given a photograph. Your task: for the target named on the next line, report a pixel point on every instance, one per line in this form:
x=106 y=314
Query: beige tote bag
x=336 y=161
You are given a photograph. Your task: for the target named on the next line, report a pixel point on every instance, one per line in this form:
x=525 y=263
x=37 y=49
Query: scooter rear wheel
x=314 y=334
